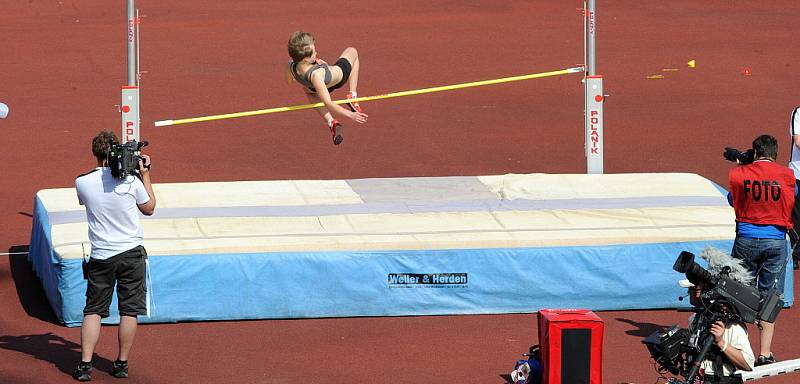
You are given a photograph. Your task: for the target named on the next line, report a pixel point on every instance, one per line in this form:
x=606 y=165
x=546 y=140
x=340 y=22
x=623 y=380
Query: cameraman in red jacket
x=762 y=194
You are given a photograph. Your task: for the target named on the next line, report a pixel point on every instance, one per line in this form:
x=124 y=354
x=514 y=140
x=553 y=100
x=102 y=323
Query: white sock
x=353 y=94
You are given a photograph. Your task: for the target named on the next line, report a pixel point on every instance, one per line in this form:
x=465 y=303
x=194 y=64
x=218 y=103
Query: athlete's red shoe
x=336 y=131
x=355 y=107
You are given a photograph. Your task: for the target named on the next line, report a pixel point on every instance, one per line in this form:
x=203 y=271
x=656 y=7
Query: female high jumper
x=320 y=79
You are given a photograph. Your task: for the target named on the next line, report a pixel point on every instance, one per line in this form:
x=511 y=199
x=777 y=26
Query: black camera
x=668 y=347
x=746 y=303
x=735 y=155
x=123 y=159
x=679 y=350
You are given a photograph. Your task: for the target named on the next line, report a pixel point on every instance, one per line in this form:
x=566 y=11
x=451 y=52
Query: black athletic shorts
x=125 y=270
x=346 y=69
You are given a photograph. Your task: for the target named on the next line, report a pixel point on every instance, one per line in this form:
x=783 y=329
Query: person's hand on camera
x=718 y=329
x=731 y=154
x=144 y=164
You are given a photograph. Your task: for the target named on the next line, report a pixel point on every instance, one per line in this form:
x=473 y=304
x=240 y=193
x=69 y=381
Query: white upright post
x=129 y=107
x=593 y=97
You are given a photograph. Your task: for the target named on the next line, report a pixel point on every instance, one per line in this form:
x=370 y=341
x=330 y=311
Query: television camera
x=123 y=159
x=679 y=351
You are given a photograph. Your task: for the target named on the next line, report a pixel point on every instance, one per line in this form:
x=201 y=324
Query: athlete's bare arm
x=322 y=92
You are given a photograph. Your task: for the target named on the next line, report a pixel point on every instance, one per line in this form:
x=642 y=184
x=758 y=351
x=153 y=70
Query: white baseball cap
x=3 y=111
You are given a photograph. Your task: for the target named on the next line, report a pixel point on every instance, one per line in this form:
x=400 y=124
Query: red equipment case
x=571 y=344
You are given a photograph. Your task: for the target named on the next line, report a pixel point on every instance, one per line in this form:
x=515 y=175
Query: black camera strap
x=717 y=363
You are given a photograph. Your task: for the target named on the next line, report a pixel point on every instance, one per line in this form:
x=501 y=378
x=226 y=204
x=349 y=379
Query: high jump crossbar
x=566 y=71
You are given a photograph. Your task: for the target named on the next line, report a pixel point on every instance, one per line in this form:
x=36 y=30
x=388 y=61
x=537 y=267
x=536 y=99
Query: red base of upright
x=571 y=343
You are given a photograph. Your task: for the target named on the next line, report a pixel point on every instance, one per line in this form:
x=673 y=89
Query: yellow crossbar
x=164 y=123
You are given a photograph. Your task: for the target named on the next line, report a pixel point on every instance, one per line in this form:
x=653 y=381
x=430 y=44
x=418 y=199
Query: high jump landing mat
x=512 y=243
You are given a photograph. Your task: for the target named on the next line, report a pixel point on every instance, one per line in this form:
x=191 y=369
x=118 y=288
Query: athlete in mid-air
x=320 y=79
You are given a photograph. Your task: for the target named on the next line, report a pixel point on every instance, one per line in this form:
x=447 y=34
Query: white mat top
x=498 y=211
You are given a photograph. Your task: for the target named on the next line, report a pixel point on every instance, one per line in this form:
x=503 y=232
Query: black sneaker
x=764 y=360
x=83 y=372
x=120 y=369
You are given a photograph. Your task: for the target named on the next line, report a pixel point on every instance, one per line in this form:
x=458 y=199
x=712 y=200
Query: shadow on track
x=29 y=288
x=644 y=329
x=62 y=353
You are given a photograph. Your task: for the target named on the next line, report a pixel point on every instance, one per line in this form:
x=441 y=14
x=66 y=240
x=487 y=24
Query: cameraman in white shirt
x=730 y=341
x=117 y=257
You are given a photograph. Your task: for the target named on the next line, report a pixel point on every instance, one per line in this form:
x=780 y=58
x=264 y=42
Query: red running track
x=63 y=63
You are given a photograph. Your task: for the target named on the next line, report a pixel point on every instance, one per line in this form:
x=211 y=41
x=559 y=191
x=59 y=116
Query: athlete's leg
x=351 y=55
x=334 y=126
x=313 y=98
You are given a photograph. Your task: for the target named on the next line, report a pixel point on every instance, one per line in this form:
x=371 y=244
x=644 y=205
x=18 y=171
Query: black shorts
x=125 y=270
x=346 y=69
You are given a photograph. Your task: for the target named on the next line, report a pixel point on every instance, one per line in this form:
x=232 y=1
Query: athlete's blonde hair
x=300 y=44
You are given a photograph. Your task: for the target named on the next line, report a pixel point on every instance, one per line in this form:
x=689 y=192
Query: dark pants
x=765 y=259
x=127 y=272
x=794 y=233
